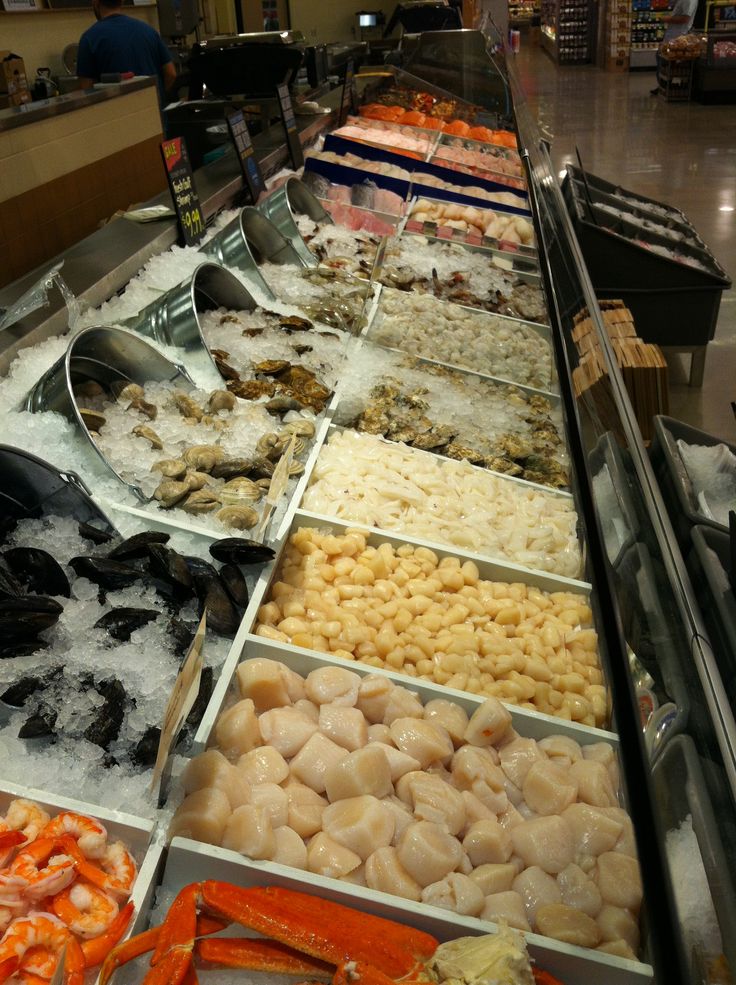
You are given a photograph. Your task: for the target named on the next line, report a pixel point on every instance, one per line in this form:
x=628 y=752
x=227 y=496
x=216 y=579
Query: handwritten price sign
x=181 y=184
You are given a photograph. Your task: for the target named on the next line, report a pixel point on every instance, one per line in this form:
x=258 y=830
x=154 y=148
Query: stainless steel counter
x=20 y=116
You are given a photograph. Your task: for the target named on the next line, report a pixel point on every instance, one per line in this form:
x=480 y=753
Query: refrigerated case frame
x=546 y=194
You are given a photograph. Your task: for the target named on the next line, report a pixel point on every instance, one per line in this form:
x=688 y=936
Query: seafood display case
x=454 y=671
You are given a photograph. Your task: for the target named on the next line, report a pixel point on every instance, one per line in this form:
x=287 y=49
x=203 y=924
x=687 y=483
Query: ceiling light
x=726 y=208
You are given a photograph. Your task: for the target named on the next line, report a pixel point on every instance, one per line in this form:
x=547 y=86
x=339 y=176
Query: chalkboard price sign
x=246 y=158
x=289 y=121
x=348 y=102
x=181 y=183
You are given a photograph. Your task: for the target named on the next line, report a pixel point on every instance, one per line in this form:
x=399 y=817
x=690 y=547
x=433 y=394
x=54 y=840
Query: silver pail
x=281 y=207
x=111 y=357
x=173 y=319
x=231 y=248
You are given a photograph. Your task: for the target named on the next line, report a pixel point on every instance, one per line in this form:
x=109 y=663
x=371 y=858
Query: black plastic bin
x=682 y=791
x=32 y=488
x=709 y=565
x=672 y=302
x=674 y=482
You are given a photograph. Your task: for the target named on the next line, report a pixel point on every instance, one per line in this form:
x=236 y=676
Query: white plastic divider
x=190 y=861
x=530 y=724
x=136 y=833
x=490 y=568
x=531 y=277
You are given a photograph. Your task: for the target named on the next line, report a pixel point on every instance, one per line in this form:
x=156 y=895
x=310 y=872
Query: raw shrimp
x=27 y=879
x=26 y=816
x=90 y=835
x=86 y=910
x=42 y=930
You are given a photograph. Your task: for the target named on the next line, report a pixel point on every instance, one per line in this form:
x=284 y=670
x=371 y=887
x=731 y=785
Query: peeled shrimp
x=119 y=869
x=27 y=817
x=86 y=910
x=57 y=870
x=90 y=835
x=42 y=930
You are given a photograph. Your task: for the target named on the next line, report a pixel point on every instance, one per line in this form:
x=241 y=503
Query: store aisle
x=682 y=154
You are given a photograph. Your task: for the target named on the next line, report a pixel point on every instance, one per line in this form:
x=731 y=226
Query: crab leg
x=321 y=928
x=260 y=955
x=146 y=941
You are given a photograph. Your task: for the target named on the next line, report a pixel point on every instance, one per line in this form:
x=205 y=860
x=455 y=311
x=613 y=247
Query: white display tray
x=543 y=331
x=189 y=861
x=136 y=833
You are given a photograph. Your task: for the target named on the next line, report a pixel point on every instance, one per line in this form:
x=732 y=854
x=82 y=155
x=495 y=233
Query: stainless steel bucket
x=173 y=319
x=230 y=247
x=294 y=198
x=265 y=241
x=110 y=357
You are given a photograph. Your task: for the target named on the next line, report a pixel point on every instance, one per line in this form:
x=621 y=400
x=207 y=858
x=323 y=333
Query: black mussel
x=17 y=694
x=234 y=581
x=105 y=727
x=40 y=724
x=22 y=649
x=222 y=616
x=97 y=536
x=121 y=622
x=171 y=567
x=38 y=571
x=10 y=587
x=240 y=550
x=105 y=572
x=137 y=545
x=108 y=761
x=146 y=749
x=24 y=618
x=182 y=635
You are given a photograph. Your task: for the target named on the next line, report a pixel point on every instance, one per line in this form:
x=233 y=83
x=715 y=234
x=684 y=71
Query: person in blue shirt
x=118 y=43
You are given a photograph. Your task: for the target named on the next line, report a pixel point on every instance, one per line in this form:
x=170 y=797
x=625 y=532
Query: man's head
x=104 y=7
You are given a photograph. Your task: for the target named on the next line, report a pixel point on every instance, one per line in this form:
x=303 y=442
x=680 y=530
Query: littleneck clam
x=143 y=431
x=203 y=458
x=200 y=501
x=221 y=400
x=240 y=490
x=240 y=517
x=171 y=491
x=170 y=468
x=186 y=406
x=93 y=419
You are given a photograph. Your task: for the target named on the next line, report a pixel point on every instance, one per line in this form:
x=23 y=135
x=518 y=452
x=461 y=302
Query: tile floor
x=683 y=154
